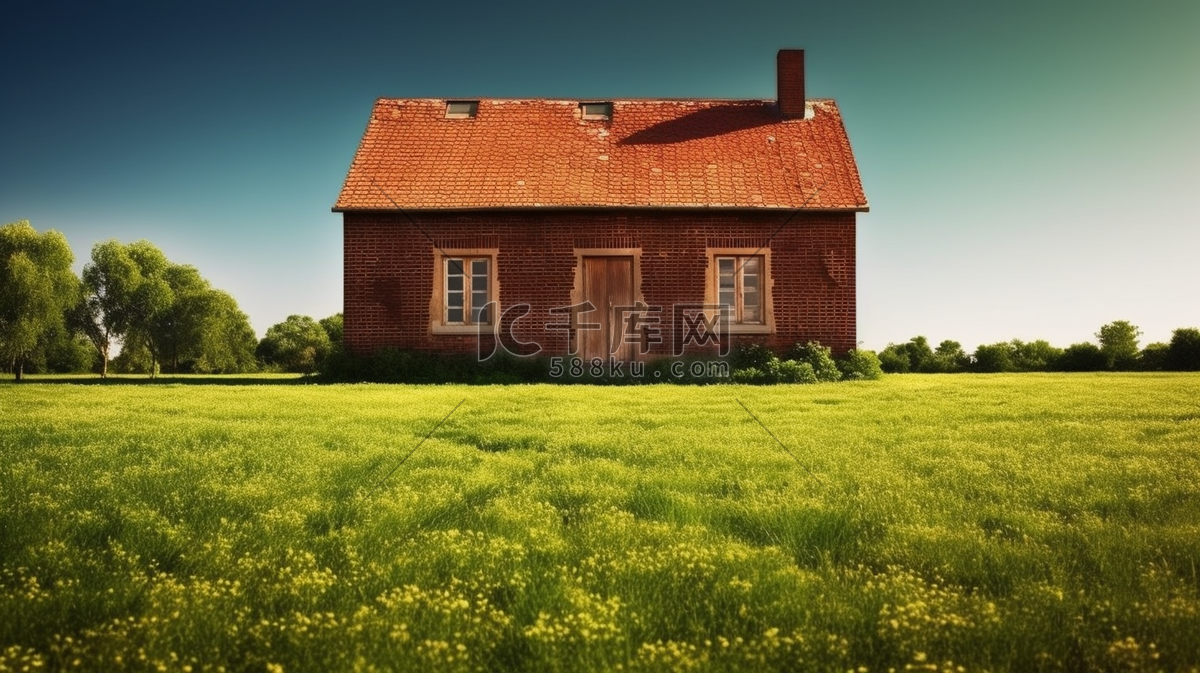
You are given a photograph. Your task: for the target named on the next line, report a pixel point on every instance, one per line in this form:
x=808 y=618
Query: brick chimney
x=789 y=65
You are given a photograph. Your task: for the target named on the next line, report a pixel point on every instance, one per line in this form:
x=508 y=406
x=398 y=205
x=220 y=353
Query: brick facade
x=389 y=269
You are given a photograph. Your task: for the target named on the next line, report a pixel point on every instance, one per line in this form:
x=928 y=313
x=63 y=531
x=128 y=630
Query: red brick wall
x=789 y=73
x=389 y=269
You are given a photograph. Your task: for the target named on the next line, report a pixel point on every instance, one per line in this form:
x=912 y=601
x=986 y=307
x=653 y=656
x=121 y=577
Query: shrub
x=819 y=358
x=791 y=371
x=391 y=365
x=1082 y=357
x=1153 y=357
x=948 y=358
x=993 y=358
x=752 y=356
x=894 y=359
x=776 y=371
x=860 y=364
x=298 y=344
x=748 y=375
x=1183 y=353
x=1034 y=356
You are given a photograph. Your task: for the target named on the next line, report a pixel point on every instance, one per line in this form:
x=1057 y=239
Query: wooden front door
x=608 y=285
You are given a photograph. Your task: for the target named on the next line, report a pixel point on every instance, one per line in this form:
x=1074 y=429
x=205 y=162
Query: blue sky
x=1031 y=167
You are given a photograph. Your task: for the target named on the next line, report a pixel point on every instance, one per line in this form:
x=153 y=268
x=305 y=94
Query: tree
x=165 y=315
x=36 y=287
x=106 y=313
x=948 y=357
x=913 y=356
x=893 y=359
x=919 y=353
x=1119 y=344
x=176 y=327
x=227 y=342
x=62 y=350
x=333 y=327
x=1183 y=353
x=1034 y=356
x=1081 y=357
x=151 y=299
x=1153 y=357
x=298 y=344
x=993 y=358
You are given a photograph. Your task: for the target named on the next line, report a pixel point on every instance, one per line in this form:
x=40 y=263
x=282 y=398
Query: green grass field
x=1010 y=522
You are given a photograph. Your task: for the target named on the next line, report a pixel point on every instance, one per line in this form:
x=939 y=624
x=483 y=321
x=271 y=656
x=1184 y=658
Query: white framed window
x=739 y=280
x=739 y=287
x=465 y=291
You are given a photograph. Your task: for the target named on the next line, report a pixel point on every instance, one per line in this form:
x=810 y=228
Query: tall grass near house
x=1021 y=522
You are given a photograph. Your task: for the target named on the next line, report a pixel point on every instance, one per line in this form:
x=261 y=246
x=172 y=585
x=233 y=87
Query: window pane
x=454 y=283
x=478 y=298
x=479 y=283
x=454 y=299
x=479 y=267
x=454 y=315
x=597 y=110
x=751 y=311
x=479 y=315
x=454 y=267
x=461 y=109
x=725 y=265
x=726 y=298
x=750 y=265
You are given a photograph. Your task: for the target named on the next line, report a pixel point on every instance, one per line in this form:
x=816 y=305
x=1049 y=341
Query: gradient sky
x=1032 y=167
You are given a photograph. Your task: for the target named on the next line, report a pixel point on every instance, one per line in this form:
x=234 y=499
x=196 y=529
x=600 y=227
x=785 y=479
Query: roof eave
x=475 y=209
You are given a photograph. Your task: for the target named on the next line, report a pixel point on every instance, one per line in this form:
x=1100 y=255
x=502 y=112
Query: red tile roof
x=652 y=153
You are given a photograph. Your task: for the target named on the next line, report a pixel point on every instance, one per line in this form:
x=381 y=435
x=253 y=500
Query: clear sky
x=1032 y=167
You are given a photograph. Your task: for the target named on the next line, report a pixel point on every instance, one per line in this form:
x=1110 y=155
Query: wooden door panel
x=620 y=295
x=608 y=285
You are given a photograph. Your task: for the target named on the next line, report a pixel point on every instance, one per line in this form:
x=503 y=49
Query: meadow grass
x=994 y=522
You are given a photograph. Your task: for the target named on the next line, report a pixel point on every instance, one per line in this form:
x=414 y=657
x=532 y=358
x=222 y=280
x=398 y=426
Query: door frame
x=577 y=296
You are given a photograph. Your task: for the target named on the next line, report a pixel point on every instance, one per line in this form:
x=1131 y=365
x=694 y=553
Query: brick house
x=604 y=228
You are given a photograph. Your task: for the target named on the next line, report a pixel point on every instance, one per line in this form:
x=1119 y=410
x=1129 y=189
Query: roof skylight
x=461 y=109
x=601 y=111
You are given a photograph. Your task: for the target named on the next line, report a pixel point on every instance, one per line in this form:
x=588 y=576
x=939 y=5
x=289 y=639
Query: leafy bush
x=1153 y=357
x=752 y=356
x=1034 y=356
x=860 y=364
x=752 y=375
x=1183 y=353
x=913 y=356
x=391 y=365
x=776 y=371
x=791 y=371
x=894 y=359
x=1082 y=357
x=819 y=358
x=992 y=358
x=298 y=344
x=948 y=358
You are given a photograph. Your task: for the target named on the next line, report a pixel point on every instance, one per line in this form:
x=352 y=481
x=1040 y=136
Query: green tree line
x=161 y=316
x=1117 y=350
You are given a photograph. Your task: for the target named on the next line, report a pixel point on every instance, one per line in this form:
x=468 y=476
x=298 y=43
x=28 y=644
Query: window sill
x=748 y=329
x=461 y=329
